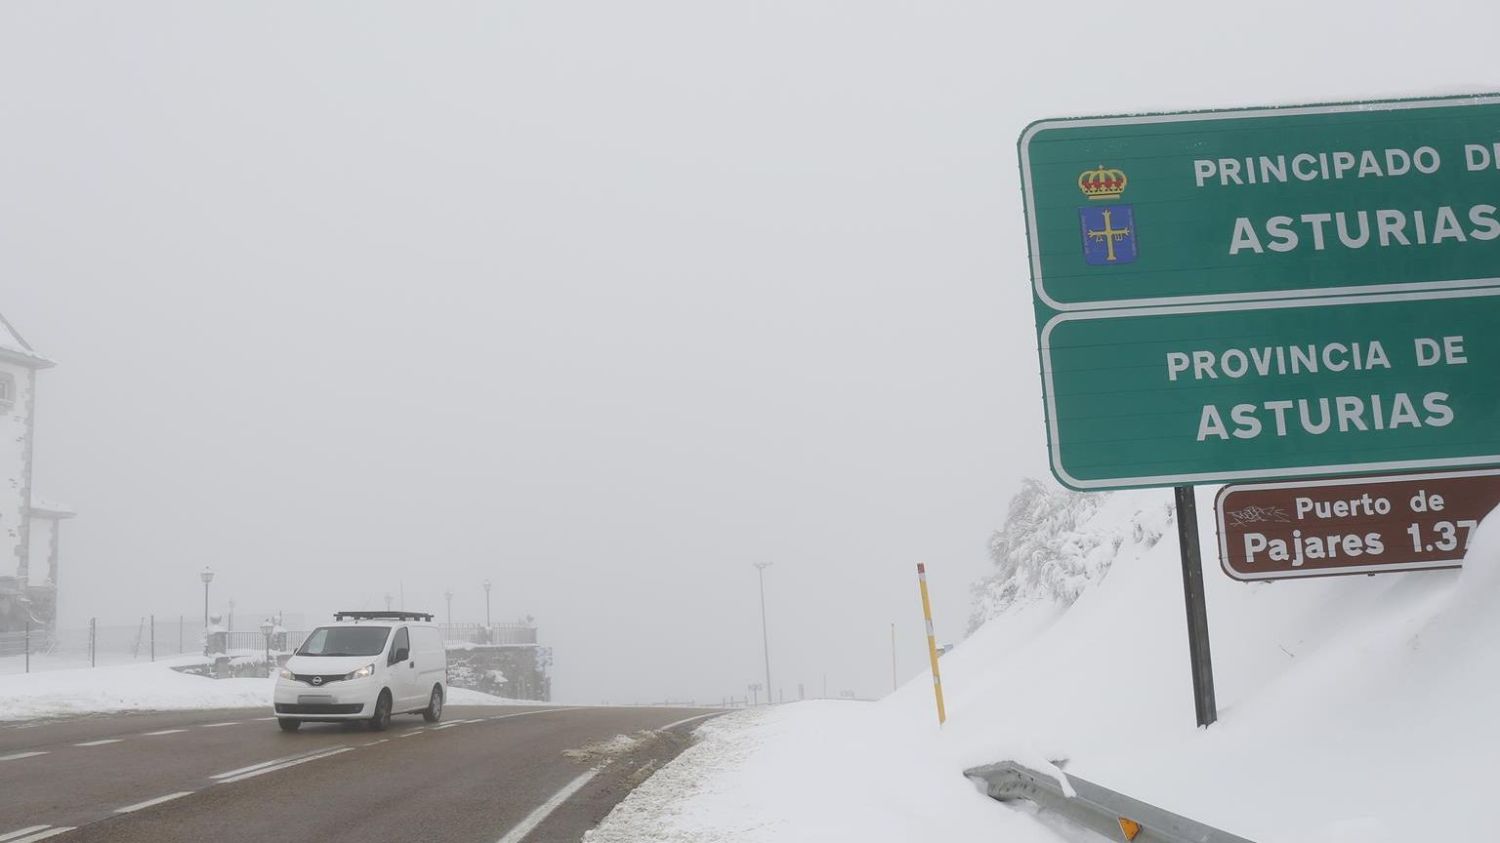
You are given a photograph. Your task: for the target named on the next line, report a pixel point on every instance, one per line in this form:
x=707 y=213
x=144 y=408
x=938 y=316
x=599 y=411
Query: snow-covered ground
x=148 y=686
x=824 y=770
x=1352 y=708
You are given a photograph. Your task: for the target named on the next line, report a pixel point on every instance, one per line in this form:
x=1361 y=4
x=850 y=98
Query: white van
x=365 y=666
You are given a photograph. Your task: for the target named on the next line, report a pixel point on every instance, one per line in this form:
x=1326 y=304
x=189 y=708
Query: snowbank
x=1344 y=702
x=151 y=686
x=815 y=771
x=1351 y=708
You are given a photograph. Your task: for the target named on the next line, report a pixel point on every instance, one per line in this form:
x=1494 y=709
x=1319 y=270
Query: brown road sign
x=1353 y=525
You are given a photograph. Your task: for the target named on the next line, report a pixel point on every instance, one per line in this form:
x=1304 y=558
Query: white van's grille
x=317 y=680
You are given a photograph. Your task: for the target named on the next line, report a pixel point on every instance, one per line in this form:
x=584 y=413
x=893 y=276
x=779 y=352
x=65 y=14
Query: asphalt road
x=488 y=775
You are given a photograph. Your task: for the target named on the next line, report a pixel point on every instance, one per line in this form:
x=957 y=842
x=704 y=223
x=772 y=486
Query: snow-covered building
x=28 y=525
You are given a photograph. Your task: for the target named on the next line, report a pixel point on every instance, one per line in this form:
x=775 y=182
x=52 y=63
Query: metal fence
x=495 y=633
x=253 y=639
x=153 y=638
x=99 y=644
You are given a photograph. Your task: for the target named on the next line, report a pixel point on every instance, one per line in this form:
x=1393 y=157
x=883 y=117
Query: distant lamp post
x=265 y=629
x=231 y=616
x=487 y=605
x=755 y=689
x=765 y=638
x=207 y=575
x=387 y=601
x=449 y=594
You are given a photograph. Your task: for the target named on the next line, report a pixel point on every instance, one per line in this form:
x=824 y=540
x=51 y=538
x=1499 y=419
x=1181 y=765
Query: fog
x=603 y=302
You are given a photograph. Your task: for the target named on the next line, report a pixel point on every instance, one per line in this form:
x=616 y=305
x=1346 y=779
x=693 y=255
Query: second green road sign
x=1268 y=294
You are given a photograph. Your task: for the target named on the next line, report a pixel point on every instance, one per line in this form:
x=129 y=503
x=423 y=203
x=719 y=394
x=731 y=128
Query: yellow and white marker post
x=932 y=650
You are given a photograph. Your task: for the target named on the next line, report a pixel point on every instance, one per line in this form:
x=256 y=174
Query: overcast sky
x=605 y=302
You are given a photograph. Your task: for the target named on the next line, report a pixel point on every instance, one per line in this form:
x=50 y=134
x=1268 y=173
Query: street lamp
x=486 y=605
x=449 y=594
x=265 y=629
x=765 y=638
x=231 y=616
x=207 y=574
x=387 y=601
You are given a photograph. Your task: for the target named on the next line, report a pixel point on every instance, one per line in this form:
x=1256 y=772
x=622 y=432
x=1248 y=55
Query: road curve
x=485 y=774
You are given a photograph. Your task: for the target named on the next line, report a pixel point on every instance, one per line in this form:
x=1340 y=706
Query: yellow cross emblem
x=1109 y=235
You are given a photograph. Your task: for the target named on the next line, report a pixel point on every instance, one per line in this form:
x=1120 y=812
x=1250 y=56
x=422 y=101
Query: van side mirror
x=400 y=655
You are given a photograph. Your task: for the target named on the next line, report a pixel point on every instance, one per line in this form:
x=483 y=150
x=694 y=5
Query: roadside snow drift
x=152 y=686
x=1351 y=708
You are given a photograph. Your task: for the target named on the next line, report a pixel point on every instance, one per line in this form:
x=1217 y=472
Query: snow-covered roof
x=15 y=347
x=45 y=508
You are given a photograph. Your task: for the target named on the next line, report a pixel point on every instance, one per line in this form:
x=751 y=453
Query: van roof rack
x=382 y=616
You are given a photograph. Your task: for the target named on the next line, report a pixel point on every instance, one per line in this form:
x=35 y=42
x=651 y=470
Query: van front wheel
x=382 y=717
x=434 y=711
x=288 y=724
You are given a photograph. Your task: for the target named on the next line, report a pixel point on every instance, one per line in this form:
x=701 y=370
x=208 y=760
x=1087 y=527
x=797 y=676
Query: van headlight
x=367 y=670
x=285 y=674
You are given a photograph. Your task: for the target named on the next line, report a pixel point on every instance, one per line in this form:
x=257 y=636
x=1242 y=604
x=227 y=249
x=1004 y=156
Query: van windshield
x=345 y=641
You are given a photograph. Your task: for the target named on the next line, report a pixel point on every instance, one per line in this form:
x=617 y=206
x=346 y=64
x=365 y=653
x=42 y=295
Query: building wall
x=41 y=533
x=15 y=472
x=15 y=494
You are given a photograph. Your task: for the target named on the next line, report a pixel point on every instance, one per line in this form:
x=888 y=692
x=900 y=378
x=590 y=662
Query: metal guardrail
x=1096 y=808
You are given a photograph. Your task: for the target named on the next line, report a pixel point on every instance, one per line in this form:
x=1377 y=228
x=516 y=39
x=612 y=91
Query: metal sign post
x=1197 y=609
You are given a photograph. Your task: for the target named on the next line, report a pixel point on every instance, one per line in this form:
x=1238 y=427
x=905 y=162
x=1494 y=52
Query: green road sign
x=1263 y=204
x=1267 y=293
x=1273 y=389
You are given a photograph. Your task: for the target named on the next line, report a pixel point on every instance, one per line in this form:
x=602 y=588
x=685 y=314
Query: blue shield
x=1108 y=234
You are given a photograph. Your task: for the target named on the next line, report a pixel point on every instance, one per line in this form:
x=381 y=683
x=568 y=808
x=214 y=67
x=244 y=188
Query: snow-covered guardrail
x=1097 y=808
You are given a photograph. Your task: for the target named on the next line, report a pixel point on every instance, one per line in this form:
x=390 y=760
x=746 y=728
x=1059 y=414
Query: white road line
x=217 y=725
x=149 y=802
x=686 y=720
x=162 y=732
x=411 y=734
x=281 y=760
x=372 y=743
x=265 y=770
x=524 y=713
x=21 y=832
x=263 y=719
x=42 y=835
x=535 y=818
x=93 y=743
x=17 y=756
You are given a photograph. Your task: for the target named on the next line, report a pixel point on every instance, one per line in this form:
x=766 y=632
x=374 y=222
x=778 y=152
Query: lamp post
x=449 y=594
x=765 y=638
x=231 y=616
x=207 y=575
x=487 y=606
x=265 y=629
x=387 y=601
